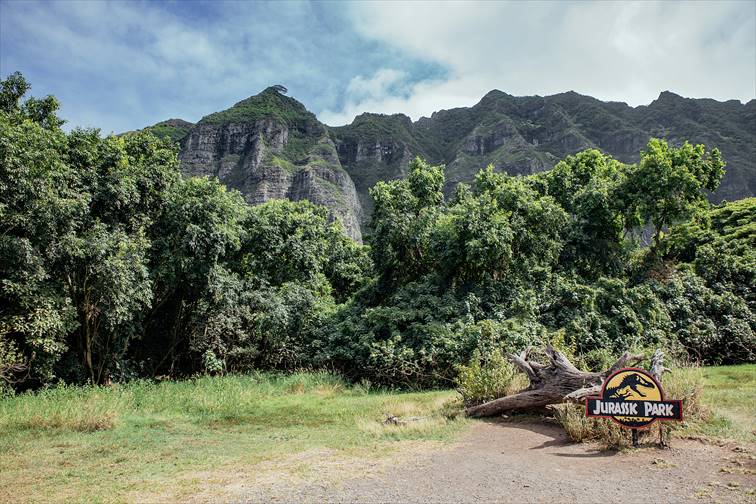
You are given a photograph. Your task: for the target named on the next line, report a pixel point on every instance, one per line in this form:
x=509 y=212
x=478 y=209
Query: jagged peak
x=668 y=96
x=270 y=102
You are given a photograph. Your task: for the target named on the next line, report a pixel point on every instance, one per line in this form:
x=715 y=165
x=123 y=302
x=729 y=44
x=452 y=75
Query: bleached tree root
x=552 y=383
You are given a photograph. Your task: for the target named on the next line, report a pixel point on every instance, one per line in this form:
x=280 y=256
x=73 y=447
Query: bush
x=486 y=379
x=713 y=328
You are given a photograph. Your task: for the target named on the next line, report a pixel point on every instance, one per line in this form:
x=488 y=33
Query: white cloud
x=123 y=65
x=621 y=51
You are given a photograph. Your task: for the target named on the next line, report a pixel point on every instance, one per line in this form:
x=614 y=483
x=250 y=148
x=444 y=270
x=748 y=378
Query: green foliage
x=173 y=130
x=532 y=259
x=113 y=266
x=271 y=103
x=713 y=328
x=485 y=379
x=39 y=206
x=246 y=327
x=721 y=245
x=668 y=183
x=103 y=244
x=75 y=215
x=289 y=241
x=38 y=111
x=401 y=221
x=733 y=224
x=588 y=185
x=411 y=339
x=608 y=314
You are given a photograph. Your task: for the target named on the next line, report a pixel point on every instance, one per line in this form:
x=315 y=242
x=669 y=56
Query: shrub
x=609 y=313
x=486 y=379
x=597 y=359
x=713 y=328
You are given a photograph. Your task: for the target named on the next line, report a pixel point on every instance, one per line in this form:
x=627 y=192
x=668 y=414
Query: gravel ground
x=534 y=462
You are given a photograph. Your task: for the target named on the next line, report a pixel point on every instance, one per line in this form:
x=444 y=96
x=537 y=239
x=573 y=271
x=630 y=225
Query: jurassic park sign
x=634 y=399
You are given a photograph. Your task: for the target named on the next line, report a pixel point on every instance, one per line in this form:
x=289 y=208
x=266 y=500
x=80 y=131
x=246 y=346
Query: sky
x=121 y=66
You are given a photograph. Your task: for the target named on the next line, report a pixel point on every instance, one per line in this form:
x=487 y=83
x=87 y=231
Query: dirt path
x=534 y=462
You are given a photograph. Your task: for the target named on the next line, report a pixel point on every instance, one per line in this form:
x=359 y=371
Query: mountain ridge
x=269 y=145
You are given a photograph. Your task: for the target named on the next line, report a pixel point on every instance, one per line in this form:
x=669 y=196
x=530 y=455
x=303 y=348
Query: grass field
x=168 y=441
x=161 y=441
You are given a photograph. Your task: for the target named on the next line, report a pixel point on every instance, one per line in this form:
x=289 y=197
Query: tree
x=198 y=230
x=39 y=207
x=40 y=111
x=287 y=241
x=74 y=215
x=587 y=186
x=668 y=184
x=402 y=219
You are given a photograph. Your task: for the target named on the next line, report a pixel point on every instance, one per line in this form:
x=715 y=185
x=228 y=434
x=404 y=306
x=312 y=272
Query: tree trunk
x=555 y=382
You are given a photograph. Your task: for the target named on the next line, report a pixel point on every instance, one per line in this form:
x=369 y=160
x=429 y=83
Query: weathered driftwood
x=657 y=365
x=657 y=370
x=555 y=382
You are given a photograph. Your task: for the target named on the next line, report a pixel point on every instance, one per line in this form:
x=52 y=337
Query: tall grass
x=206 y=399
x=106 y=443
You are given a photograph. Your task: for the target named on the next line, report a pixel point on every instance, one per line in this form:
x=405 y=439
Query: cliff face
x=372 y=154
x=269 y=146
x=523 y=135
x=273 y=148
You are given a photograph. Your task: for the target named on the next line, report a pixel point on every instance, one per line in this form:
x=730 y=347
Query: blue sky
x=123 y=65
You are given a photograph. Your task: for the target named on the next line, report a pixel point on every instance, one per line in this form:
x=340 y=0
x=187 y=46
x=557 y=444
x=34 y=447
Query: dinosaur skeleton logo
x=634 y=399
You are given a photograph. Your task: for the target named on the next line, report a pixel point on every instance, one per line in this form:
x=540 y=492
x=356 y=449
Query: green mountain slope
x=270 y=146
x=522 y=135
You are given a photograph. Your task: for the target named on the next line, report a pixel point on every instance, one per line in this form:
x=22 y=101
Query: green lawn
x=168 y=441
x=730 y=395
x=148 y=441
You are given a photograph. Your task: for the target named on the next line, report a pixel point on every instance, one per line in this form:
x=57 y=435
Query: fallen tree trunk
x=555 y=382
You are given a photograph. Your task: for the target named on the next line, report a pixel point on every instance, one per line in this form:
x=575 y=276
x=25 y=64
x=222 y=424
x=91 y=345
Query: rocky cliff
x=269 y=145
x=523 y=135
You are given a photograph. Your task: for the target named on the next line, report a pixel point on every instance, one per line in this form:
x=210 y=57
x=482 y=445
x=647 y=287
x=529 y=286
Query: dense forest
x=114 y=266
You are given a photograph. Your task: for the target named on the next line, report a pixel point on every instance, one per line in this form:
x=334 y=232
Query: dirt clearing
x=531 y=462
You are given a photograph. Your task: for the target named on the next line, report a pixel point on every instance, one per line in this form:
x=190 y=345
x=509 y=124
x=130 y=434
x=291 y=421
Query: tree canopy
x=113 y=265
